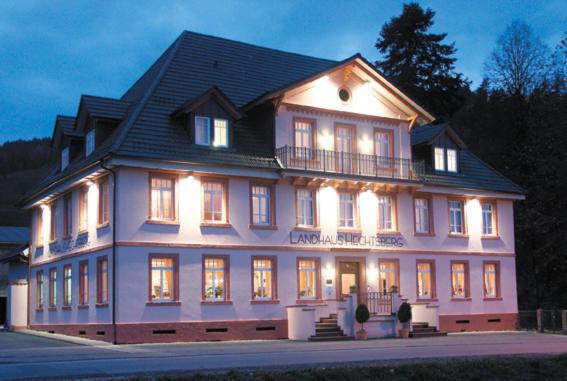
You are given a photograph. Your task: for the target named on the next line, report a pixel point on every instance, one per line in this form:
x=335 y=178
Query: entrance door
x=345 y=148
x=349 y=276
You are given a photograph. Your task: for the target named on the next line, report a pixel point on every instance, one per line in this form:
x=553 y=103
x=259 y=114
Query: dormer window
x=90 y=142
x=64 y=158
x=446 y=159
x=219 y=132
x=451 y=160
x=202 y=131
x=439 y=159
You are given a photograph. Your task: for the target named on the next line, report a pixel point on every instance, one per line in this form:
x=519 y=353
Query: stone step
x=327 y=320
x=330 y=338
x=417 y=335
x=325 y=325
x=328 y=329
x=333 y=316
x=329 y=334
x=419 y=324
x=424 y=329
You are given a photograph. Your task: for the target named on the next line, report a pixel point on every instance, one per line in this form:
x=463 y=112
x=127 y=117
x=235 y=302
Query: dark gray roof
x=108 y=108
x=14 y=234
x=66 y=123
x=426 y=133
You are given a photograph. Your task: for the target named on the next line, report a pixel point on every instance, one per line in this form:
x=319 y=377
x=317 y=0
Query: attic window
x=451 y=160
x=90 y=142
x=344 y=94
x=64 y=158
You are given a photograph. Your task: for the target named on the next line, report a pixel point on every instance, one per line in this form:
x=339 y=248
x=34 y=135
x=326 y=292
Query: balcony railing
x=354 y=164
x=378 y=303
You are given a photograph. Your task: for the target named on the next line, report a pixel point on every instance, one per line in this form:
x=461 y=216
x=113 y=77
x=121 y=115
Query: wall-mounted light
x=326 y=140
x=329 y=271
x=89 y=183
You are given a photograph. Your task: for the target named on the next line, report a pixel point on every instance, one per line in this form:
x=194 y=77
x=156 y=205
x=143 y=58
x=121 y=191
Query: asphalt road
x=26 y=357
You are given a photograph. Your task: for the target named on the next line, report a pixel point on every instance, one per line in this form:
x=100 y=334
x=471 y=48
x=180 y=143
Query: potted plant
x=353 y=289
x=404 y=316
x=362 y=315
x=394 y=289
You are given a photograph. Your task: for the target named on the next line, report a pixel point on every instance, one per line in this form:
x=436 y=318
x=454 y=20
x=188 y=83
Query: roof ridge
x=257 y=46
x=125 y=128
x=101 y=97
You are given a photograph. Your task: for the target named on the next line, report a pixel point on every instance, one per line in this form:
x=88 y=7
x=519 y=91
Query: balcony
x=352 y=164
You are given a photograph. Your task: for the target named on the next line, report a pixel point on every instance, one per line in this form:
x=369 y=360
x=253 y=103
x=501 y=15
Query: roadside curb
x=65 y=338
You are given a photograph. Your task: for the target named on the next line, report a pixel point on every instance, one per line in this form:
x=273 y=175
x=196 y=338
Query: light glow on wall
x=326 y=140
x=473 y=212
x=190 y=199
x=365 y=145
x=329 y=271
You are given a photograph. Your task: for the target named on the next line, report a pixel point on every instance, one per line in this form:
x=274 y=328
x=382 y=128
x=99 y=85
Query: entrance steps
x=424 y=330
x=327 y=329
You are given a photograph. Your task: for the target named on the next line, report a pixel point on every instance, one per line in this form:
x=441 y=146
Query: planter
x=404 y=333
x=361 y=335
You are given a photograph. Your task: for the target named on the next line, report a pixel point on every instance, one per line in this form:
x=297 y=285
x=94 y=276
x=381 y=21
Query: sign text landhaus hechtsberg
x=344 y=239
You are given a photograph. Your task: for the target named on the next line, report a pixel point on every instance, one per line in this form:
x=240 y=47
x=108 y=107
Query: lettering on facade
x=344 y=239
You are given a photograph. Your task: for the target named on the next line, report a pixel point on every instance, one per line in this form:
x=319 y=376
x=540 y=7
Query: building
x=233 y=185
x=13 y=272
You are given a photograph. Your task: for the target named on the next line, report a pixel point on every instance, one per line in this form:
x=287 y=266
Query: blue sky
x=54 y=51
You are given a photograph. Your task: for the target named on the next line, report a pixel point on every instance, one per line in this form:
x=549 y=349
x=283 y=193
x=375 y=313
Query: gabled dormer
x=439 y=146
x=209 y=119
x=67 y=141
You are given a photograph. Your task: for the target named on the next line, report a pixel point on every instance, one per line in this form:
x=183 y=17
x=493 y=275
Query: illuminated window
x=456 y=222
x=103 y=201
x=347 y=213
x=383 y=148
x=221 y=133
x=263 y=287
x=491 y=280
x=102 y=280
x=162 y=286
x=488 y=219
x=90 y=142
x=68 y=215
x=385 y=212
x=64 y=158
x=83 y=208
x=162 y=198
x=214 y=201
x=53 y=222
x=202 y=131
x=214 y=287
x=67 y=286
x=39 y=289
x=39 y=227
x=305 y=207
x=451 y=160
x=261 y=205
x=52 y=287
x=303 y=137
x=388 y=276
x=421 y=215
x=439 y=159
x=459 y=280
x=83 y=283
x=308 y=275
x=425 y=285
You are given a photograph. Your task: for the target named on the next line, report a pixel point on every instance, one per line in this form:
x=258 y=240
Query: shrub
x=404 y=313
x=362 y=314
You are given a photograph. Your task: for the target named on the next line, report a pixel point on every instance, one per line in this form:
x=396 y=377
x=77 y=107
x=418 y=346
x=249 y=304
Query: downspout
x=113 y=249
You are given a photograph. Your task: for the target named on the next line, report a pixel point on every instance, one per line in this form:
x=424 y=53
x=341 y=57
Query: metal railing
x=344 y=163
x=378 y=303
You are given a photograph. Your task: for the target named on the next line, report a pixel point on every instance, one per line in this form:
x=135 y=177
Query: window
x=221 y=133
x=214 y=201
x=304 y=132
x=64 y=158
x=389 y=274
x=491 y=279
x=103 y=201
x=344 y=94
x=83 y=283
x=39 y=227
x=162 y=198
x=202 y=131
x=263 y=278
x=421 y=213
x=489 y=219
x=52 y=287
x=67 y=286
x=308 y=278
x=53 y=222
x=262 y=205
x=456 y=217
x=90 y=145
x=215 y=279
x=425 y=279
x=383 y=147
x=439 y=159
x=68 y=215
x=385 y=213
x=459 y=280
x=451 y=160
x=39 y=290
x=305 y=207
x=83 y=208
x=102 y=280
x=164 y=278
x=347 y=213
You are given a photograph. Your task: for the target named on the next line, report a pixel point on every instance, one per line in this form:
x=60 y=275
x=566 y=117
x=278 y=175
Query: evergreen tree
x=420 y=63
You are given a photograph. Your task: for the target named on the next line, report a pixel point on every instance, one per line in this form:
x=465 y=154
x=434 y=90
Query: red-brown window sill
x=216 y=225
x=424 y=234
x=314 y=229
x=83 y=232
x=309 y=301
x=219 y=303
x=467 y=299
x=349 y=231
x=383 y=232
x=163 y=304
x=490 y=237
x=103 y=225
x=40 y=246
x=53 y=241
x=101 y=305
x=424 y=300
x=495 y=299
x=262 y=227
x=66 y=308
x=465 y=236
x=275 y=301
x=39 y=309
x=83 y=306
x=52 y=308
x=162 y=222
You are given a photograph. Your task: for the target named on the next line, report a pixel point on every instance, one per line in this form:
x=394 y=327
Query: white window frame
x=487 y=219
x=455 y=275
x=452 y=161
x=382 y=142
x=421 y=206
x=262 y=215
x=162 y=270
x=439 y=158
x=160 y=198
x=208 y=131
x=486 y=274
x=421 y=280
x=213 y=207
x=344 y=204
x=67 y=285
x=261 y=271
x=215 y=281
x=217 y=128
x=385 y=213
x=64 y=158
x=305 y=207
x=453 y=213
x=90 y=142
x=385 y=272
x=304 y=272
x=303 y=135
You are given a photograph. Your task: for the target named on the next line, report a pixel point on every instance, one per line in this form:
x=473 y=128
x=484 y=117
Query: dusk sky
x=54 y=51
